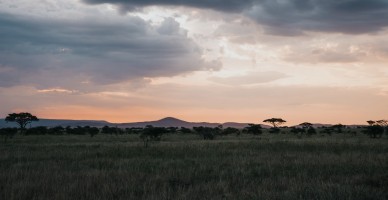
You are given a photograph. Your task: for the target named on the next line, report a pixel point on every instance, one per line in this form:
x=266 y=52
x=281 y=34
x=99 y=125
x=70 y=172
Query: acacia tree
x=309 y=127
x=254 y=129
x=378 y=122
x=382 y=122
x=338 y=127
x=306 y=125
x=22 y=119
x=371 y=122
x=376 y=128
x=275 y=122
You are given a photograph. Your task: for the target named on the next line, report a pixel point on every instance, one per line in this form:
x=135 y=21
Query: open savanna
x=269 y=166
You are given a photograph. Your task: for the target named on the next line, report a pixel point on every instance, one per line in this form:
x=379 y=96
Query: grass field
x=186 y=167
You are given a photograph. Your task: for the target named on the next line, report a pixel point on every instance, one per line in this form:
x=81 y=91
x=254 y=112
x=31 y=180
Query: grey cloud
x=345 y=16
x=94 y=51
x=170 y=27
x=289 y=17
x=337 y=54
x=224 y=5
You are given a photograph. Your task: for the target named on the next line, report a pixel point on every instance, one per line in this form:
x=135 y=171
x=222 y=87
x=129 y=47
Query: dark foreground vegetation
x=300 y=162
x=180 y=164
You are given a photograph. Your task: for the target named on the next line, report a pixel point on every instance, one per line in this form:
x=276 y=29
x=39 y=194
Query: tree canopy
x=22 y=119
x=275 y=122
x=306 y=125
x=254 y=129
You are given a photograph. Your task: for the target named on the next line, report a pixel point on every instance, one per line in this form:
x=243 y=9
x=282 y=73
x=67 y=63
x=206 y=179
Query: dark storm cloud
x=345 y=16
x=53 y=52
x=221 y=5
x=289 y=17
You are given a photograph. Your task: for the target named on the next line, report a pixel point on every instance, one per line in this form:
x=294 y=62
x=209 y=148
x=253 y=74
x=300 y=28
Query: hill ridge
x=164 y=122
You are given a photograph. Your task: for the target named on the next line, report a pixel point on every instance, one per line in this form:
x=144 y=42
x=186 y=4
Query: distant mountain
x=58 y=122
x=165 y=122
x=168 y=122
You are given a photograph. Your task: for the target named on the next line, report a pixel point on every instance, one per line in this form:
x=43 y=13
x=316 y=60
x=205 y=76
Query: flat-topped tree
x=371 y=122
x=309 y=127
x=306 y=125
x=378 y=122
x=382 y=122
x=22 y=119
x=275 y=122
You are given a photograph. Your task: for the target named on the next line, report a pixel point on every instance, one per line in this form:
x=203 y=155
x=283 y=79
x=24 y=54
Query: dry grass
x=185 y=167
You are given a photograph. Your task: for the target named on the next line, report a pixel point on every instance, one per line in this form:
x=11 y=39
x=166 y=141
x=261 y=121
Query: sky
x=197 y=60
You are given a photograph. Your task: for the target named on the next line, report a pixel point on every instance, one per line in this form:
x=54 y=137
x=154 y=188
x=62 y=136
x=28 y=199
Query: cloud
x=55 y=52
x=288 y=17
x=344 y=16
x=249 y=79
x=331 y=53
x=225 y=5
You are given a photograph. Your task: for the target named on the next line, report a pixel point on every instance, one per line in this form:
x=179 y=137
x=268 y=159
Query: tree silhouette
x=8 y=133
x=58 y=130
x=254 y=129
x=39 y=130
x=275 y=122
x=338 y=127
x=308 y=128
x=382 y=122
x=22 y=119
x=230 y=130
x=311 y=131
x=374 y=131
x=306 y=125
x=185 y=130
x=376 y=128
x=151 y=133
x=207 y=133
x=371 y=122
x=93 y=131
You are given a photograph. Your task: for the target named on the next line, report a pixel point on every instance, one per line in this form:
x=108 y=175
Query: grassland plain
x=186 y=167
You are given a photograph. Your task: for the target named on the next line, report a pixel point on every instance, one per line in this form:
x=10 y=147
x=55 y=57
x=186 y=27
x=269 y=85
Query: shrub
x=8 y=133
x=151 y=133
x=40 y=130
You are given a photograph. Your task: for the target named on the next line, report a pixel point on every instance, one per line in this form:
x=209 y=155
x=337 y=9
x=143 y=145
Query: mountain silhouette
x=165 y=122
x=169 y=122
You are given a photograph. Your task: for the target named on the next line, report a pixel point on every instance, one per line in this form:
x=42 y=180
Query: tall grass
x=185 y=167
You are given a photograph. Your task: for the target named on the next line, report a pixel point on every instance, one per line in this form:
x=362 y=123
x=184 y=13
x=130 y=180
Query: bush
x=58 y=130
x=8 y=133
x=374 y=131
x=93 y=131
x=151 y=133
x=254 y=129
x=185 y=130
x=274 y=130
x=40 y=130
x=206 y=132
x=311 y=131
x=77 y=130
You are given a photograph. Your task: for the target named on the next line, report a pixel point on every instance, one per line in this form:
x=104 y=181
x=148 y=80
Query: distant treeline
x=373 y=130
